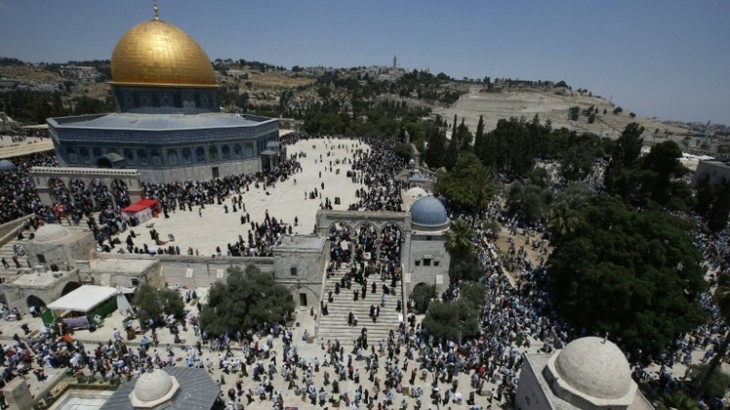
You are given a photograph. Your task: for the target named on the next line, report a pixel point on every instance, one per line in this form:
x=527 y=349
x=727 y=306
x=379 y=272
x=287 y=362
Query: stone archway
x=365 y=240
x=70 y=287
x=120 y=193
x=34 y=300
x=340 y=236
x=85 y=177
x=389 y=247
x=304 y=295
x=102 y=195
x=81 y=195
x=58 y=190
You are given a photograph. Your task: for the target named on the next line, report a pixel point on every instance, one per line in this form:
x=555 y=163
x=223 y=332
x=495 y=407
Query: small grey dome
x=50 y=233
x=429 y=213
x=416 y=192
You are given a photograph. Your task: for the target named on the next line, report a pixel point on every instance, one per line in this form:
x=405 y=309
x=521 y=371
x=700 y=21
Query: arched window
x=84 y=154
x=142 y=155
x=213 y=153
x=156 y=158
x=71 y=154
x=226 y=150
x=172 y=157
x=237 y=150
x=249 y=150
x=187 y=155
x=97 y=152
x=200 y=154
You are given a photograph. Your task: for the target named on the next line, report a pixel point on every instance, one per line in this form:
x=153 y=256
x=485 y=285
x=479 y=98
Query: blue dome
x=428 y=212
x=6 y=165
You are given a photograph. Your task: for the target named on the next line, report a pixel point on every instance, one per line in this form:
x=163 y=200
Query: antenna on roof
x=156 y=9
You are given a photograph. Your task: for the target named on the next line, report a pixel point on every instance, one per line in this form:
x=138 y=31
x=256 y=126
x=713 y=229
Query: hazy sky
x=664 y=58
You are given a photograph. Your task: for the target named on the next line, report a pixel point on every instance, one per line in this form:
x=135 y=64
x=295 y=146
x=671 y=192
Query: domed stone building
x=167 y=123
x=590 y=373
x=429 y=260
x=174 y=388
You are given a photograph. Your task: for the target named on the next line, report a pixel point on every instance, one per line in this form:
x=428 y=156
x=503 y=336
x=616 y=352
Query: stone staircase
x=334 y=325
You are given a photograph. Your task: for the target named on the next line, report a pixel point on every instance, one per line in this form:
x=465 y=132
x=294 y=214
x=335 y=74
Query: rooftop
x=155 y=122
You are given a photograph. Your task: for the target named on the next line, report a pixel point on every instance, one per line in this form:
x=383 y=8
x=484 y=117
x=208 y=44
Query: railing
x=83 y=171
x=323 y=293
x=65 y=382
x=404 y=298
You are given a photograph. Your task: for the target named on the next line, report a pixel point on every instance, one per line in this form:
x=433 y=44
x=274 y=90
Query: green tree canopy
x=464 y=263
x=469 y=184
x=152 y=303
x=452 y=319
x=249 y=300
x=530 y=202
x=633 y=274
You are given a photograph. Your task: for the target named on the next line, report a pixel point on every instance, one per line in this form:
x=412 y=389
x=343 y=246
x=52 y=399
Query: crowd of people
x=517 y=313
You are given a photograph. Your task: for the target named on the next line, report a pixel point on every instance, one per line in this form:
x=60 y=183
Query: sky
x=659 y=58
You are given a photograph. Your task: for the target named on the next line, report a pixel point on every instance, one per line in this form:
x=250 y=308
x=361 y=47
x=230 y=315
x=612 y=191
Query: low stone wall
x=198 y=271
x=8 y=230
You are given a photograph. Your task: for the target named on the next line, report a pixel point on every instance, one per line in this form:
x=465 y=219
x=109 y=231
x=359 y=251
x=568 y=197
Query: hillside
x=258 y=87
x=548 y=105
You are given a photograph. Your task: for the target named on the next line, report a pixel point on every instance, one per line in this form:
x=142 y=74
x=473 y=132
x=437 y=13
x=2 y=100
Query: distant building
x=715 y=172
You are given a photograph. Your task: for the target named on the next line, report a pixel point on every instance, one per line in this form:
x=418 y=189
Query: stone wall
x=429 y=262
x=203 y=172
x=45 y=288
x=63 y=253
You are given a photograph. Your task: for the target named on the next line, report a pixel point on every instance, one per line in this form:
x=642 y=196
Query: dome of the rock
x=157 y=53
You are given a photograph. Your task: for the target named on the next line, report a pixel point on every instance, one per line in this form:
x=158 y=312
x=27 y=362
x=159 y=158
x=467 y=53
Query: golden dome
x=156 y=53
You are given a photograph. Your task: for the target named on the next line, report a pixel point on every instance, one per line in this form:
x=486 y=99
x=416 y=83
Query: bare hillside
x=548 y=105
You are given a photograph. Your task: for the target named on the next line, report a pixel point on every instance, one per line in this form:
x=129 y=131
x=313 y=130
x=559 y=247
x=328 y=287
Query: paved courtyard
x=285 y=201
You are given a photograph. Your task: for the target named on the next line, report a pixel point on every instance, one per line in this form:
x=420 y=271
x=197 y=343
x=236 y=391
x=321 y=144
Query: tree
x=635 y=275
x=574 y=113
x=472 y=292
x=622 y=173
x=434 y=155
x=530 y=202
x=459 y=244
x=710 y=382
x=452 y=152
x=662 y=164
x=469 y=184
x=421 y=296
x=152 y=303
x=452 y=320
x=564 y=216
x=677 y=401
x=480 y=138
x=249 y=300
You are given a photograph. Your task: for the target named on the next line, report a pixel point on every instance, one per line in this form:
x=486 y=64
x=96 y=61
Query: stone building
x=714 y=172
x=429 y=261
x=590 y=373
x=167 y=124
x=63 y=259
x=56 y=247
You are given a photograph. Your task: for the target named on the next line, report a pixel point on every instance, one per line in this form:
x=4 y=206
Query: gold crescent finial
x=157 y=10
